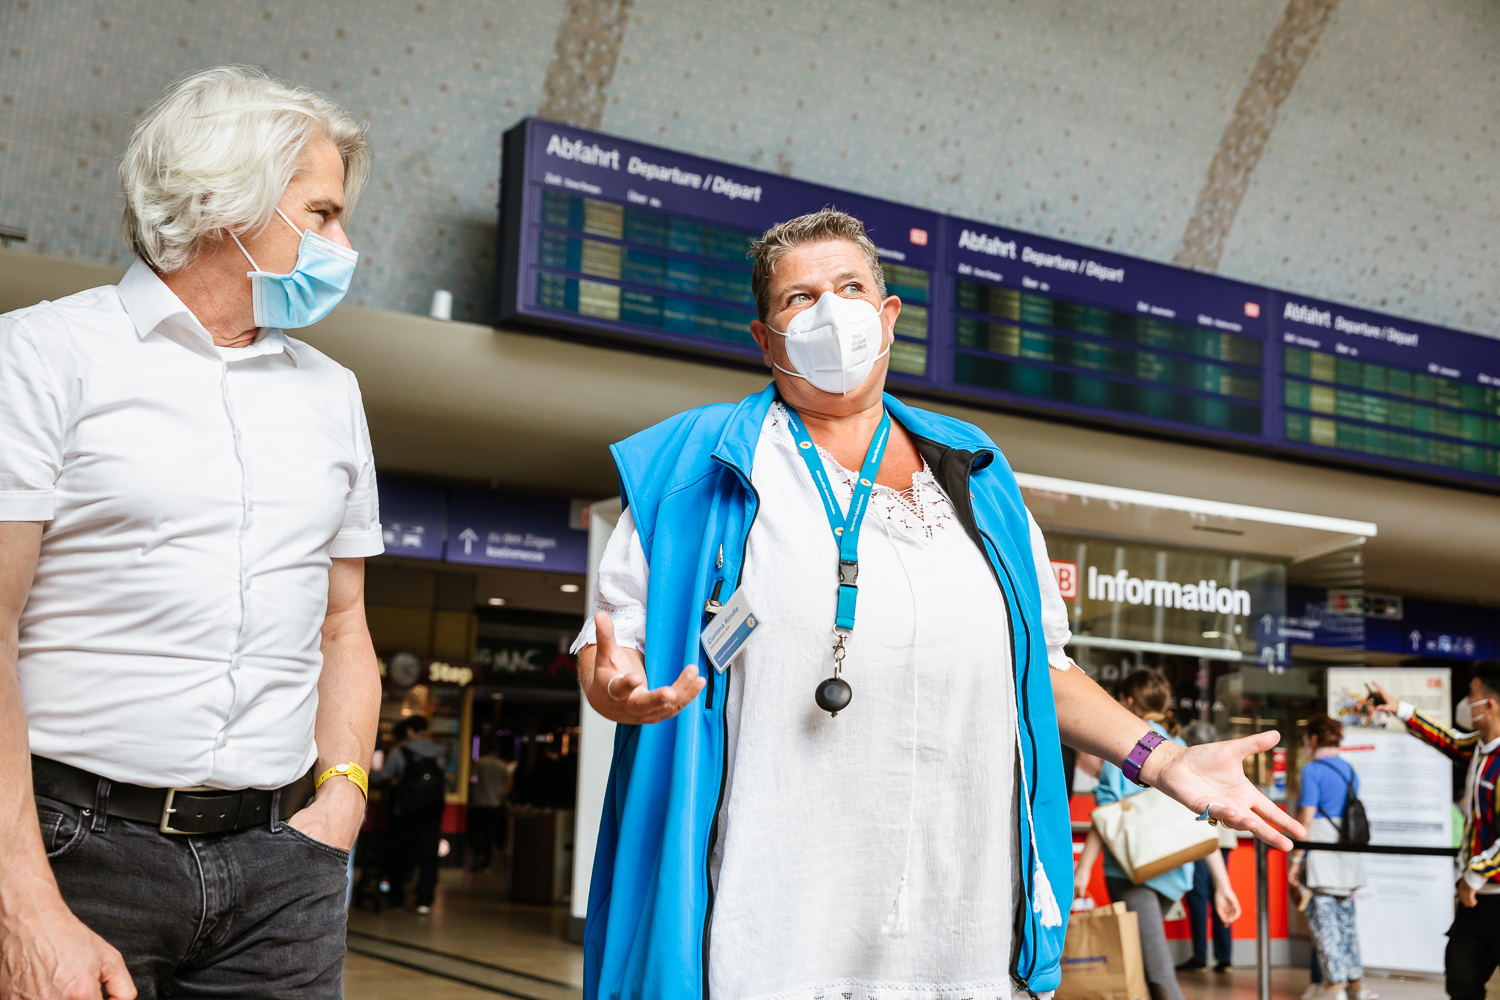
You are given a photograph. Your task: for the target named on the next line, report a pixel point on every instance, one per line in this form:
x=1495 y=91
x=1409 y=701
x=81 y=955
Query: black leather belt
x=171 y=810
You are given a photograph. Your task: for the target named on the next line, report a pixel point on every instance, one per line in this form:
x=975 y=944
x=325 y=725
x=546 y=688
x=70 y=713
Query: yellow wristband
x=352 y=771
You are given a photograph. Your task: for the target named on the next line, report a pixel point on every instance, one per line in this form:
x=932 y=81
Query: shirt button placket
x=236 y=662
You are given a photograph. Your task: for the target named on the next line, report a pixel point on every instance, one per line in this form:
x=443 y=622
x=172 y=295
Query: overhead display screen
x=1359 y=385
x=614 y=240
x=619 y=238
x=1041 y=322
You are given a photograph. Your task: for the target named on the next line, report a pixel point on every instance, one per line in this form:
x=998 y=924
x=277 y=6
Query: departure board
x=614 y=238
x=1359 y=385
x=617 y=241
x=1061 y=327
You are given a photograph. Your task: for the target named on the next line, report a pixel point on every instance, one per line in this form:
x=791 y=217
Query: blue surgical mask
x=317 y=284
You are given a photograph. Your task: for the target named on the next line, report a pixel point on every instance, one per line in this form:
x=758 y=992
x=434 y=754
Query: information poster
x=1407 y=904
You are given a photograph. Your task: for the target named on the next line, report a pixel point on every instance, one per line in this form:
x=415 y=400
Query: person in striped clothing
x=1474 y=939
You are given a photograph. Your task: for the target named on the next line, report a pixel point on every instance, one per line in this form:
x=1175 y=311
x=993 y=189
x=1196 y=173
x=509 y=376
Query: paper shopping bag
x=1102 y=957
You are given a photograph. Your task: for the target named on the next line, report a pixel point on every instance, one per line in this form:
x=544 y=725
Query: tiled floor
x=473 y=920
x=475 y=944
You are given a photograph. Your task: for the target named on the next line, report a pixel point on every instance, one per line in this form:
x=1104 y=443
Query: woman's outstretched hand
x=1211 y=776
x=613 y=678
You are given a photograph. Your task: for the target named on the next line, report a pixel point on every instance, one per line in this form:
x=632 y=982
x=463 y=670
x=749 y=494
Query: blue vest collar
x=736 y=446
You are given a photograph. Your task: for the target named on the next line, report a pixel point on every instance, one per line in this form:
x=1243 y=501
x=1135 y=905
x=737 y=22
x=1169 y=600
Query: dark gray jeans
x=256 y=913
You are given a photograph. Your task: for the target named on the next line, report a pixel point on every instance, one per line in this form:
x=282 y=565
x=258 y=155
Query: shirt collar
x=1491 y=746
x=150 y=303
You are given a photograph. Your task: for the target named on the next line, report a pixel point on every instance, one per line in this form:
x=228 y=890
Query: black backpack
x=419 y=792
x=1354 y=826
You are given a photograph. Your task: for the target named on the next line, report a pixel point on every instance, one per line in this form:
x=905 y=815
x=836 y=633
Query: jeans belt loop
x=276 y=811
x=100 y=819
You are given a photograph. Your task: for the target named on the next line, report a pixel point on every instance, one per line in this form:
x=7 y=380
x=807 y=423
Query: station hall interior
x=1219 y=279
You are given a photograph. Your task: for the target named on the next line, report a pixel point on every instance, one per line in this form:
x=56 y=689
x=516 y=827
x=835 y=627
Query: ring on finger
x=609 y=688
x=1204 y=817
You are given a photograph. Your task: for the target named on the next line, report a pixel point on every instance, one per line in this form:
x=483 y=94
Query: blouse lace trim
x=919 y=512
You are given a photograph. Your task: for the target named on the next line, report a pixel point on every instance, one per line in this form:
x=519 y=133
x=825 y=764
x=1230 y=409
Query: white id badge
x=729 y=630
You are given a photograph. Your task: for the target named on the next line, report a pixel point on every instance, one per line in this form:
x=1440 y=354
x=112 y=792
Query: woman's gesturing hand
x=1211 y=776
x=614 y=681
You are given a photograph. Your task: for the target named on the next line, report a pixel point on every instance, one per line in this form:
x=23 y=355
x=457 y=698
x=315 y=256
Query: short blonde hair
x=216 y=153
x=825 y=224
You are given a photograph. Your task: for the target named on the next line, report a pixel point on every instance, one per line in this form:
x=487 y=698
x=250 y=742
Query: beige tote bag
x=1149 y=834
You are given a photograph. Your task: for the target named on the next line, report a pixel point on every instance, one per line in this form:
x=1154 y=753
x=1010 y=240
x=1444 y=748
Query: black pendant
x=833 y=695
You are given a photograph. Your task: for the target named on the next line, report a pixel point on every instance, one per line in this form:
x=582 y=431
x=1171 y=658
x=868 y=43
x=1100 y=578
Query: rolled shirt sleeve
x=33 y=422
x=1054 y=610
x=360 y=536
x=622 y=587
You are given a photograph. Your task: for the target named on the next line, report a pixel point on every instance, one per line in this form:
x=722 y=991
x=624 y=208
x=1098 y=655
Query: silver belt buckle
x=167 y=810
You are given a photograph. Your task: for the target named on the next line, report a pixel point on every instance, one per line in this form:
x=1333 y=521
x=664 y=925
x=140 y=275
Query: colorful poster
x=1406 y=786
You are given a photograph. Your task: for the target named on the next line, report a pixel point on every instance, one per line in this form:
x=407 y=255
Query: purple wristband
x=1138 y=755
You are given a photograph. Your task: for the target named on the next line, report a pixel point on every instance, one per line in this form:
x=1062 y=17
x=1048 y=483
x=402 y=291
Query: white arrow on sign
x=1416 y=641
x=468 y=536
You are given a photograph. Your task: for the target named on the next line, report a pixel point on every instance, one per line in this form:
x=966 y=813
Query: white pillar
x=596 y=740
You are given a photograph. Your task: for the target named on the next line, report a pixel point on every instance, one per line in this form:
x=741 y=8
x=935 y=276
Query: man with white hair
x=187 y=496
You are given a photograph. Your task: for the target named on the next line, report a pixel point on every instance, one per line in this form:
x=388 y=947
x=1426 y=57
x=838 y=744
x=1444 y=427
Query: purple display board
x=601 y=235
x=1050 y=325
x=607 y=239
x=488 y=528
x=1356 y=385
x=413 y=516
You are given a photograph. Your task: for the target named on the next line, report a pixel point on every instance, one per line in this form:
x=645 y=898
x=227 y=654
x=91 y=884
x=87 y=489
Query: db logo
x=1067 y=578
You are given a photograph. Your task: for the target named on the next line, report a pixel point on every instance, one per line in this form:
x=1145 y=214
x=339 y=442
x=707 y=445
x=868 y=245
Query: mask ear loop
x=288 y=221
x=251 y=259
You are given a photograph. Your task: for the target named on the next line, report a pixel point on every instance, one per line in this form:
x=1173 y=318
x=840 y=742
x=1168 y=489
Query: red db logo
x=1067 y=578
x=919 y=237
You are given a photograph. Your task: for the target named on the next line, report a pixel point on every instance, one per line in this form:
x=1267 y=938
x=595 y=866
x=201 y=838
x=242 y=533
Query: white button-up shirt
x=194 y=497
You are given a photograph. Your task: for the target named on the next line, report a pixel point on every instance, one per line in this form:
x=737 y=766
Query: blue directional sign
x=488 y=528
x=413 y=516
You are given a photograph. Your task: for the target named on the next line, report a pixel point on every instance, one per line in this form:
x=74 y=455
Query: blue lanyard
x=845 y=528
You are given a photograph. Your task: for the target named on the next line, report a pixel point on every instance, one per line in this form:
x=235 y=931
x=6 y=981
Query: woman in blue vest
x=837 y=773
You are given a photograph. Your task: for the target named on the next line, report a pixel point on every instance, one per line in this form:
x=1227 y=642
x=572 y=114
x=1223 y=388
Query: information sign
x=1406 y=787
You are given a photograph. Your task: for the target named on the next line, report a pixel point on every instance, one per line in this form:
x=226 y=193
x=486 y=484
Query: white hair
x=216 y=153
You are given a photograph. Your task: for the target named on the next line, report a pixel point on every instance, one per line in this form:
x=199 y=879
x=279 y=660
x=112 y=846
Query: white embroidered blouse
x=870 y=854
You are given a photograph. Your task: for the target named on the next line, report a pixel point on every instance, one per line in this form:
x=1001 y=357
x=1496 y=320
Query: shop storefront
x=1198 y=590
x=471 y=612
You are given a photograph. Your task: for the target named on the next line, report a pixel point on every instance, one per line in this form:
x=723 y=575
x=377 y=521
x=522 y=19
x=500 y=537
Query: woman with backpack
x=1330 y=788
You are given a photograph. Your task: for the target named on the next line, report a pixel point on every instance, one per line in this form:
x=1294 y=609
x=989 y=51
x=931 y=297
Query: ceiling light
x=569 y=588
x=1210 y=635
x=497 y=601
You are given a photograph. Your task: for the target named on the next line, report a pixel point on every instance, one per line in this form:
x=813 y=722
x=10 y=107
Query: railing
x=1263 y=895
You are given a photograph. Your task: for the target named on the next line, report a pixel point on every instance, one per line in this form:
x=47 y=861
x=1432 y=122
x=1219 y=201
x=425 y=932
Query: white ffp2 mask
x=1463 y=715
x=835 y=344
